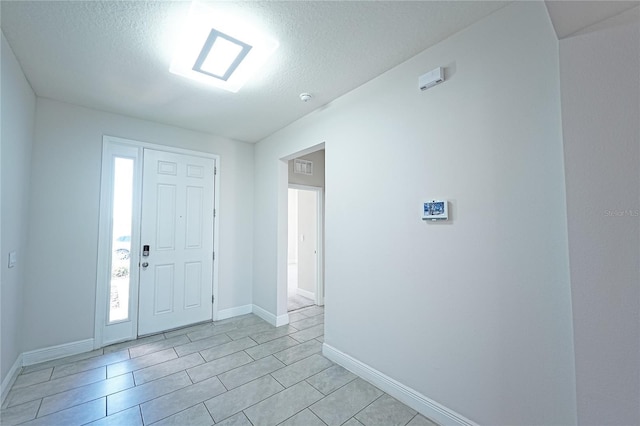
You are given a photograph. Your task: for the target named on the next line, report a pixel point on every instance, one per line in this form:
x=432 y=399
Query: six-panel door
x=177 y=224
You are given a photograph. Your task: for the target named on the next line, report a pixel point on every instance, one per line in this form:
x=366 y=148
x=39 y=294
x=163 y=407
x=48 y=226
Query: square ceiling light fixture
x=219 y=51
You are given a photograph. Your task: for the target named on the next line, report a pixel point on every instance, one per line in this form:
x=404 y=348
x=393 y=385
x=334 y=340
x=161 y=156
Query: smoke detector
x=305 y=97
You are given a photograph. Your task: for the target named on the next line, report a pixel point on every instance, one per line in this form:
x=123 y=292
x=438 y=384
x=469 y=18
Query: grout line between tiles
x=411 y=419
x=367 y=406
x=71 y=406
x=252 y=338
x=38 y=410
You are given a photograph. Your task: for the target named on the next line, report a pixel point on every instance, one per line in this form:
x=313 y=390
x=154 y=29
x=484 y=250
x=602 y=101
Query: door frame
x=319 y=238
x=115 y=146
x=281 y=314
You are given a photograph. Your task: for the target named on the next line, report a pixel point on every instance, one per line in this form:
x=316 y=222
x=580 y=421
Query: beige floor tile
x=158 y=346
x=198 y=374
x=194 y=416
x=420 y=420
x=301 y=351
x=19 y=413
x=386 y=411
x=283 y=405
x=271 y=347
x=273 y=334
x=131 y=343
x=346 y=402
x=166 y=368
x=303 y=418
x=89 y=364
x=146 y=392
x=130 y=417
x=249 y=330
x=140 y=362
x=41 y=390
x=70 y=398
x=302 y=369
x=331 y=379
x=202 y=344
x=236 y=400
x=78 y=415
x=308 y=322
x=246 y=373
x=238 y=420
x=33 y=378
x=309 y=333
x=218 y=366
x=179 y=400
x=227 y=349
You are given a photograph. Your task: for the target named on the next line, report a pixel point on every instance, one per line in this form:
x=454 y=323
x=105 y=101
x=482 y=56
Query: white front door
x=177 y=226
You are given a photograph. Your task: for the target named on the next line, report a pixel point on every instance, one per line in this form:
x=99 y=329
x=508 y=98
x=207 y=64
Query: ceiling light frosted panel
x=221 y=55
x=218 y=50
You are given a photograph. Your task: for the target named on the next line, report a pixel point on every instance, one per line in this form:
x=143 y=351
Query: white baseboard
x=11 y=377
x=234 y=312
x=270 y=318
x=282 y=320
x=55 y=352
x=305 y=293
x=427 y=407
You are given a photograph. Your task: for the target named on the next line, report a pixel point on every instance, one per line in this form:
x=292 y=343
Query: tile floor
x=240 y=371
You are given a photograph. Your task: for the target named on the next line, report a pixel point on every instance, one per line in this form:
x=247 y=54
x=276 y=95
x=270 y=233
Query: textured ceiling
x=569 y=17
x=114 y=56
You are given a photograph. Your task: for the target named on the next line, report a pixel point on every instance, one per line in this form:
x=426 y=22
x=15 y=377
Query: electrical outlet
x=13 y=258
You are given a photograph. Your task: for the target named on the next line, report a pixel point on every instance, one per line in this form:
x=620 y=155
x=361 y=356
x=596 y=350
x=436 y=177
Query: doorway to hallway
x=304 y=242
x=301 y=170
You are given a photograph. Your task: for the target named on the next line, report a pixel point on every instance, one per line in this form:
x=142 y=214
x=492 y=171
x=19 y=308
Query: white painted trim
x=320 y=250
x=282 y=320
x=106 y=333
x=270 y=318
x=158 y=147
x=216 y=236
x=305 y=293
x=426 y=406
x=104 y=240
x=303 y=152
x=11 y=377
x=58 y=351
x=264 y=314
x=234 y=312
x=282 y=226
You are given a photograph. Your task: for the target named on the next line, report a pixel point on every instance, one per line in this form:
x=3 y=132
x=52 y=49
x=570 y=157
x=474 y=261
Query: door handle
x=145 y=264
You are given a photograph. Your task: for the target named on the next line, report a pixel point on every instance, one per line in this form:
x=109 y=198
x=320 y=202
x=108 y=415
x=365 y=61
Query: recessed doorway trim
x=282 y=230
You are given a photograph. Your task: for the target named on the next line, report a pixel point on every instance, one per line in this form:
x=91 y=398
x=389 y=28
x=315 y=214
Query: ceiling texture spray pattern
x=115 y=56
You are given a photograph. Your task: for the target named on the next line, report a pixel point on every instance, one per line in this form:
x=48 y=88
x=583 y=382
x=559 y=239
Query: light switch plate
x=13 y=258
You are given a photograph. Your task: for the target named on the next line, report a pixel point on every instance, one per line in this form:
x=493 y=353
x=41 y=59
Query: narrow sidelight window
x=121 y=227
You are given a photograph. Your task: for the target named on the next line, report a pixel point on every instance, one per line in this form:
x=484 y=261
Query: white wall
x=60 y=292
x=599 y=71
x=18 y=115
x=474 y=313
